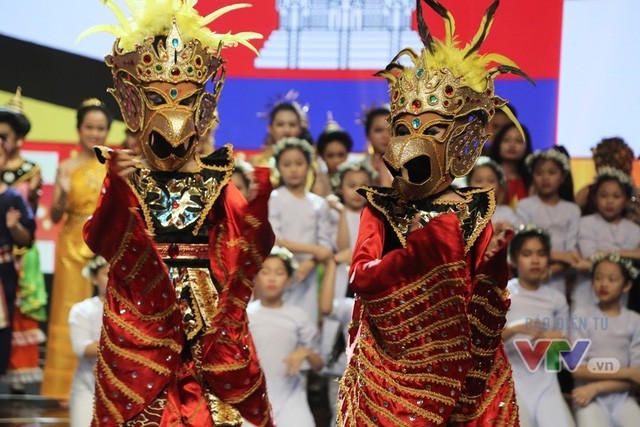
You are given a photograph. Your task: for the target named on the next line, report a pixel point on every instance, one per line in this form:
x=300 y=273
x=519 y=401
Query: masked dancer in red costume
x=429 y=270
x=183 y=243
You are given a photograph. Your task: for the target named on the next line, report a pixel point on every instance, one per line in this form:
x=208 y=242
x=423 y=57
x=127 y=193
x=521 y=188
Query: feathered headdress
x=150 y=18
x=453 y=82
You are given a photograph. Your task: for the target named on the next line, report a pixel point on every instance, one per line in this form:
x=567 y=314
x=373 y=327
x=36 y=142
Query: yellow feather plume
x=150 y=18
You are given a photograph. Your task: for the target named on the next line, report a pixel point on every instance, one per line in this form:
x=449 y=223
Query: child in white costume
x=548 y=210
x=286 y=341
x=300 y=221
x=488 y=173
x=606 y=398
x=537 y=312
x=85 y=324
x=607 y=230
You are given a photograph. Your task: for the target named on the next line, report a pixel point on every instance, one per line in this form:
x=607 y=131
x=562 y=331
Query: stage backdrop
x=580 y=53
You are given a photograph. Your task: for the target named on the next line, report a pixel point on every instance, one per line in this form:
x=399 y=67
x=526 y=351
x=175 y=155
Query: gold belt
x=183 y=250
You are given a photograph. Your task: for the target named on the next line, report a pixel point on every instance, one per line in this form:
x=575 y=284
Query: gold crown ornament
x=161 y=61
x=13 y=111
x=448 y=90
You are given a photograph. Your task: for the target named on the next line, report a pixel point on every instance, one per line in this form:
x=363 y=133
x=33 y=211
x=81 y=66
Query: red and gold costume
x=183 y=243
x=428 y=272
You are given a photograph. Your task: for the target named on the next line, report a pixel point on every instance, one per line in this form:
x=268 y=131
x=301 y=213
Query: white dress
x=611 y=337
x=561 y=221
x=85 y=323
x=505 y=213
x=538 y=392
x=277 y=332
x=302 y=220
x=598 y=235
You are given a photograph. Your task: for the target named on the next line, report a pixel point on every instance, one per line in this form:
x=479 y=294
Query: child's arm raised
x=327 y=292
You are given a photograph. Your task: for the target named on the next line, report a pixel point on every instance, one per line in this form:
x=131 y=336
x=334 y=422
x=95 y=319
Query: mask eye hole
x=402 y=130
x=437 y=131
x=188 y=101
x=156 y=99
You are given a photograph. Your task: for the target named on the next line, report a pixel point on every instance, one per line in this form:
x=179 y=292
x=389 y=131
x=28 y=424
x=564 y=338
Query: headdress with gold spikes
x=162 y=58
x=333 y=132
x=451 y=81
x=13 y=112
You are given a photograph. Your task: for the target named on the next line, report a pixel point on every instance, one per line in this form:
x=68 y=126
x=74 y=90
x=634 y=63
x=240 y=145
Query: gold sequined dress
x=69 y=286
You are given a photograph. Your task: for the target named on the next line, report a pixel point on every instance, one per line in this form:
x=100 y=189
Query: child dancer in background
x=548 y=210
x=284 y=122
x=85 y=324
x=606 y=399
x=334 y=146
x=336 y=300
x=286 y=340
x=378 y=133
x=300 y=221
x=17 y=226
x=25 y=176
x=510 y=149
x=607 y=230
x=488 y=173
x=540 y=400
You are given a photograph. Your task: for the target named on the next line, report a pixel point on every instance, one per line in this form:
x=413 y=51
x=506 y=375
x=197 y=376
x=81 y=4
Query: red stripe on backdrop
x=526 y=31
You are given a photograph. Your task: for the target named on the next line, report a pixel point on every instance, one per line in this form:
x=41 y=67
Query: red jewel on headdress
x=448 y=90
x=173 y=250
x=175 y=72
x=416 y=104
x=395 y=94
x=146 y=58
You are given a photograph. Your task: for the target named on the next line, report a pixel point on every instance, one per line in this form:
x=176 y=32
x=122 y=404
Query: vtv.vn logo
x=557 y=352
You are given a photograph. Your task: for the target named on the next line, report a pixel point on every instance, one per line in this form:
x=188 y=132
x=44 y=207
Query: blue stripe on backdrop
x=242 y=99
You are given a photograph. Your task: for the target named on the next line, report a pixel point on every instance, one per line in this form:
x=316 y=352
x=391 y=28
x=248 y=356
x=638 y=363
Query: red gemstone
x=445 y=103
x=146 y=59
x=448 y=90
x=416 y=104
x=395 y=95
x=173 y=250
x=175 y=72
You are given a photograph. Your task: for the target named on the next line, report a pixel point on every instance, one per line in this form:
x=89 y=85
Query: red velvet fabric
x=142 y=346
x=421 y=352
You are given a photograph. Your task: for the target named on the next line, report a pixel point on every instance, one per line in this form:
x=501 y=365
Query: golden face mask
x=174 y=118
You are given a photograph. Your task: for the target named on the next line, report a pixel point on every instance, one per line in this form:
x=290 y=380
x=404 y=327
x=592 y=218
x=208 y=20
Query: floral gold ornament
x=14 y=111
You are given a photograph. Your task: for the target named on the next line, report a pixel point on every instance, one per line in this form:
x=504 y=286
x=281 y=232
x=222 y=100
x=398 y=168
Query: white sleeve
x=79 y=330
